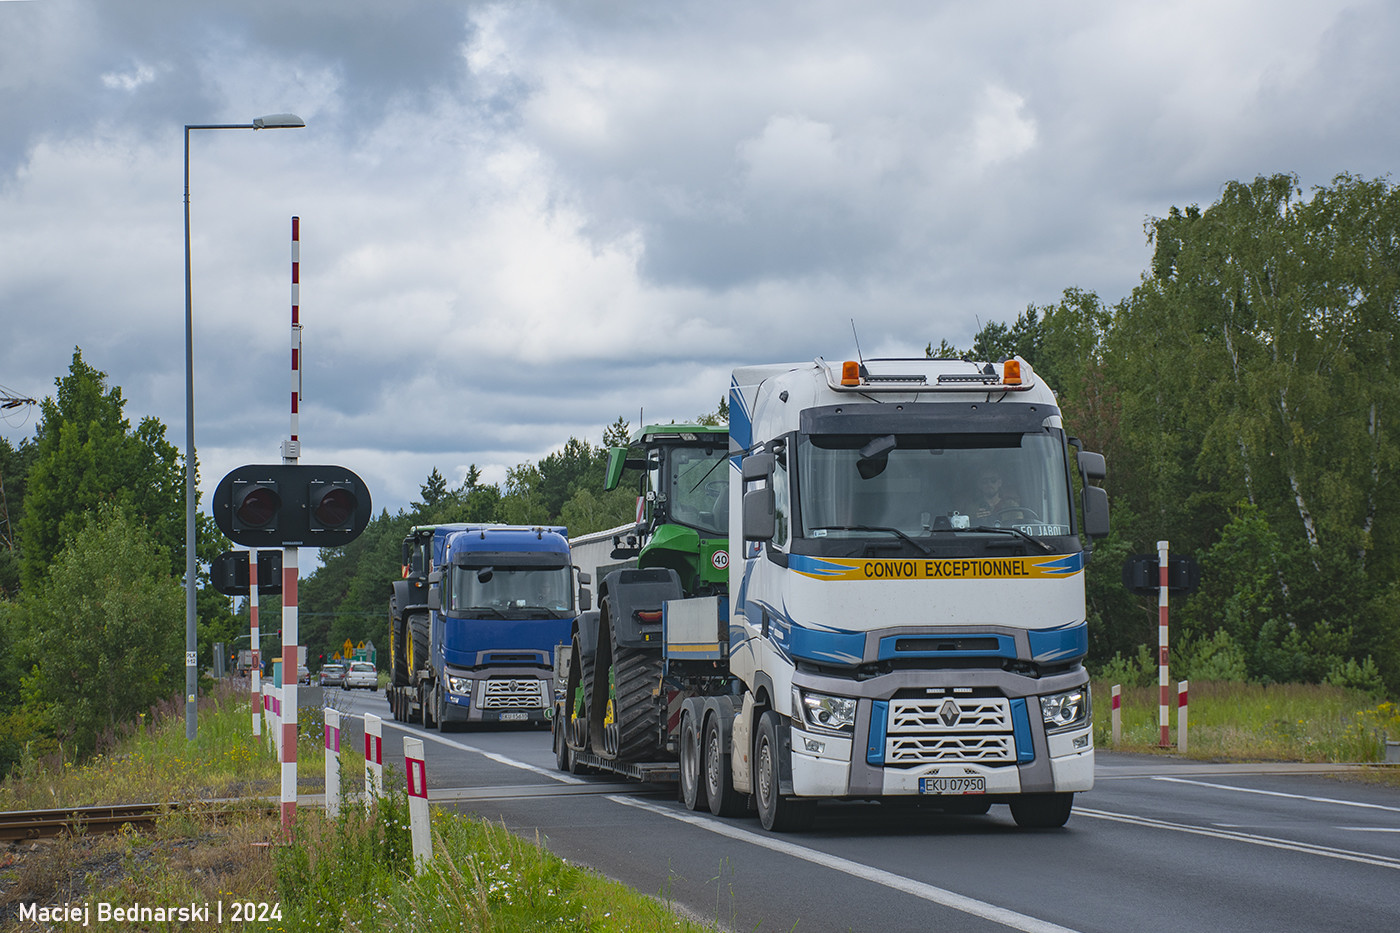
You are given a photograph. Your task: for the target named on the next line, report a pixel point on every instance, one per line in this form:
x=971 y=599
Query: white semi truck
x=905 y=612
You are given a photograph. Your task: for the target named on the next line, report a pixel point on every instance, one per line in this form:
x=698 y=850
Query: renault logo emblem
x=948 y=713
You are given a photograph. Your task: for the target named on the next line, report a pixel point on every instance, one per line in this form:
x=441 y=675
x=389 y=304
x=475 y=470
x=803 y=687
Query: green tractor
x=615 y=703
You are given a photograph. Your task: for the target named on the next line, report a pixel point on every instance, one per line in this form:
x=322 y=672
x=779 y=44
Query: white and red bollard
x=1117 y=714
x=1181 y=716
x=332 y=762
x=415 y=769
x=374 y=756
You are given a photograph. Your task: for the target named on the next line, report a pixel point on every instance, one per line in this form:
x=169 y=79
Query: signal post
x=291 y=505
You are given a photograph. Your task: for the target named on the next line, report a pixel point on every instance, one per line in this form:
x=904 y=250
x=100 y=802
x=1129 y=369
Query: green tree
x=15 y=463
x=86 y=454
x=105 y=628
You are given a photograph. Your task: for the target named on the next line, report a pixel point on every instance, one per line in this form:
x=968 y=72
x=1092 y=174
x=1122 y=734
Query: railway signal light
x=256 y=504
x=291 y=505
x=229 y=573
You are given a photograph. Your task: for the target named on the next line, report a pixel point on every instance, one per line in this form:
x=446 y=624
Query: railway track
x=20 y=825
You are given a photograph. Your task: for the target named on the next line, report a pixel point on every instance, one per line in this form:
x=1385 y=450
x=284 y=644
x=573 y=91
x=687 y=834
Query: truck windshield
x=698 y=493
x=512 y=592
x=926 y=485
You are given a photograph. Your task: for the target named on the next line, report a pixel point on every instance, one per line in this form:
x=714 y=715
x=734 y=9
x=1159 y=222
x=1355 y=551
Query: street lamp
x=269 y=122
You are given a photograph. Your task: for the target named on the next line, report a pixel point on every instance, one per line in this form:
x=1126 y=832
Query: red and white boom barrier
x=1164 y=685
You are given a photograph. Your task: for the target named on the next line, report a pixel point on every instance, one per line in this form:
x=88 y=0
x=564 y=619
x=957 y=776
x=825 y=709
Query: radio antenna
x=859 y=356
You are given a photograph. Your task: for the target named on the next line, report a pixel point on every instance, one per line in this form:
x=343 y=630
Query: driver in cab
x=990 y=499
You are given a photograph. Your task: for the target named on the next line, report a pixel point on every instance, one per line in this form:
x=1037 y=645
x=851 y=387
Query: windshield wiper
x=1046 y=548
x=550 y=612
x=717 y=462
x=484 y=609
x=893 y=531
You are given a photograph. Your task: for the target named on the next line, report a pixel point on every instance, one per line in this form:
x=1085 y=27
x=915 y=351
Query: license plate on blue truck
x=514 y=716
x=953 y=785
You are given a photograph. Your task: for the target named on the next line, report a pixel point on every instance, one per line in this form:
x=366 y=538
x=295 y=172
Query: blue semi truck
x=474 y=622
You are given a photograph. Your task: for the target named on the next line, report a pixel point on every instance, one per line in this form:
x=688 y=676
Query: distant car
x=303 y=674
x=333 y=674
x=361 y=674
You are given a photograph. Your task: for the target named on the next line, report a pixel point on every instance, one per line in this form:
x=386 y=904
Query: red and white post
x=1163 y=682
x=289 y=688
x=374 y=756
x=415 y=769
x=1181 y=716
x=332 y=762
x=291 y=636
x=1117 y=715
x=255 y=644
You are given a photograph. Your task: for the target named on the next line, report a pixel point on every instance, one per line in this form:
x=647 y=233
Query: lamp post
x=272 y=121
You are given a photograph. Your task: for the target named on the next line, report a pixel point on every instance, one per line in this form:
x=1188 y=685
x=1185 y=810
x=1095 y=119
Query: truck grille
x=946 y=729
x=523 y=693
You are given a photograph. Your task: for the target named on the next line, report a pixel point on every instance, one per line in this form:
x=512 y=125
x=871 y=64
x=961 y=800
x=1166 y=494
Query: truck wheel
x=563 y=755
x=692 y=789
x=627 y=709
x=1041 y=811
x=777 y=813
x=425 y=702
x=577 y=698
x=440 y=708
x=398 y=653
x=720 y=794
x=416 y=626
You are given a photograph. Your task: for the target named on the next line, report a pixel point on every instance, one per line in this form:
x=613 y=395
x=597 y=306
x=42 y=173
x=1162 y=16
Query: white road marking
x=1271 y=842
x=498 y=758
x=928 y=892
x=1275 y=793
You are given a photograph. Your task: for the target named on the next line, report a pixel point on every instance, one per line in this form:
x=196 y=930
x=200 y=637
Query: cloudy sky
x=522 y=219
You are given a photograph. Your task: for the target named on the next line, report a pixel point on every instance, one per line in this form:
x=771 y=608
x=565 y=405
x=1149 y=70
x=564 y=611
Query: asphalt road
x=1159 y=844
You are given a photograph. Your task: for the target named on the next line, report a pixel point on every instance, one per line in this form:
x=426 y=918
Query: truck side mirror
x=760 y=513
x=585 y=599
x=435 y=590
x=758 y=466
x=1095 y=512
x=1092 y=465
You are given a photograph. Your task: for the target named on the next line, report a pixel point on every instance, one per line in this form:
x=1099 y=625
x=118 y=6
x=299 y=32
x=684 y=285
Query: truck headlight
x=1066 y=710
x=824 y=712
x=462 y=685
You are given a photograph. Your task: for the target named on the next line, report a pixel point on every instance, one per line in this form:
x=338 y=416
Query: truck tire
x=398 y=654
x=777 y=813
x=692 y=774
x=563 y=755
x=425 y=702
x=578 y=698
x=625 y=724
x=416 y=625
x=1041 y=811
x=440 y=709
x=720 y=795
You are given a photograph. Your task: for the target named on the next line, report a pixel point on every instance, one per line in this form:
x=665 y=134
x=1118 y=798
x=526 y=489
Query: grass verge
x=1253 y=722
x=217 y=858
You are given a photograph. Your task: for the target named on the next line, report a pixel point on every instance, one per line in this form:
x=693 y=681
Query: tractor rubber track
x=636 y=678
